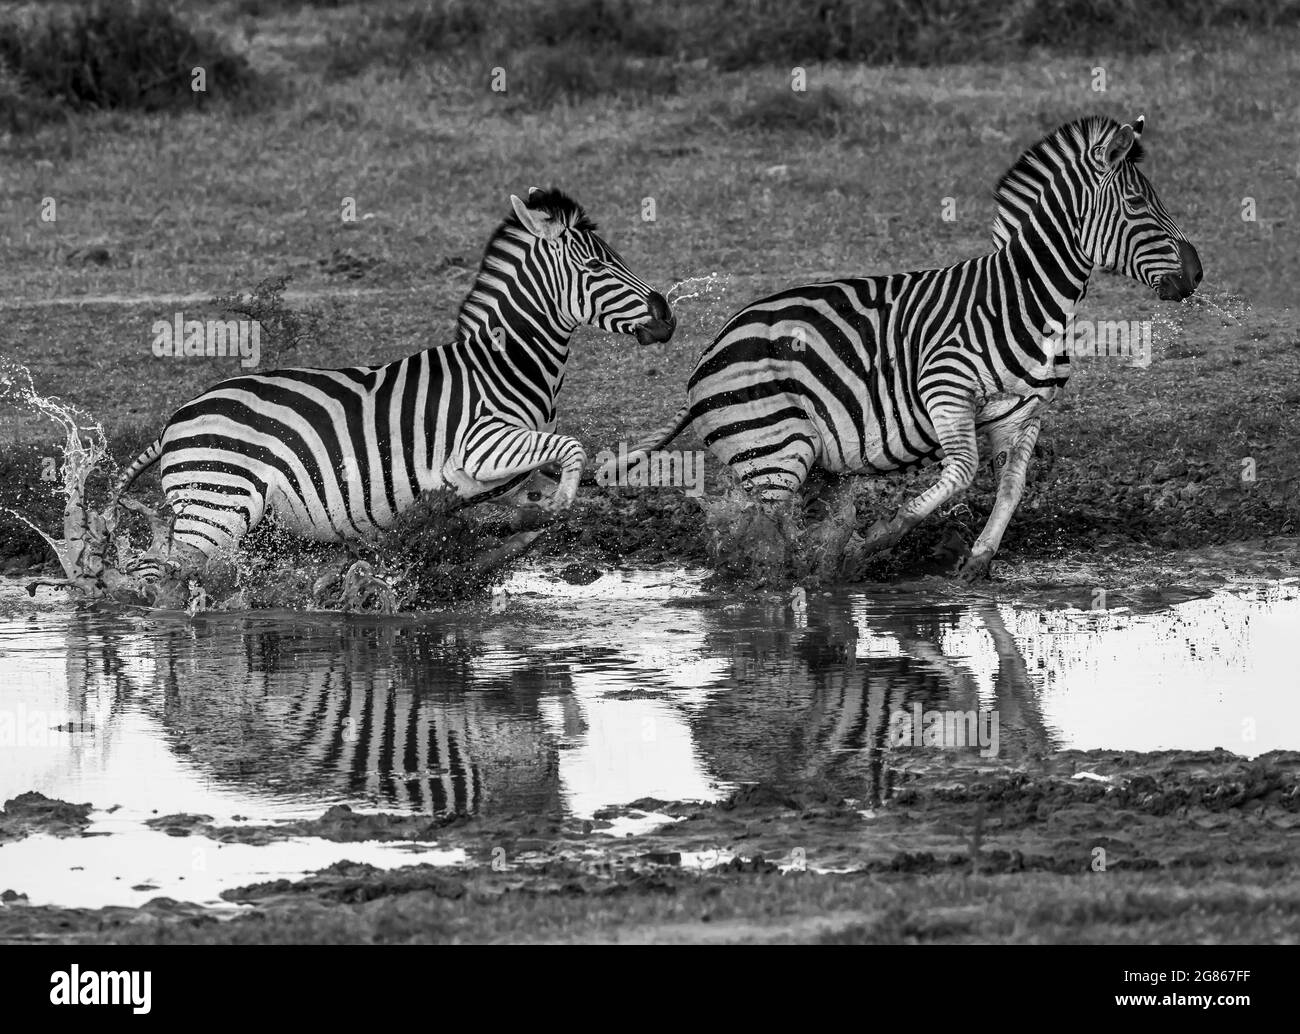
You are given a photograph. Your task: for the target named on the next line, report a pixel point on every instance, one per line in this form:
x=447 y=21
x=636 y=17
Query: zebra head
x=1126 y=229
x=588 y=280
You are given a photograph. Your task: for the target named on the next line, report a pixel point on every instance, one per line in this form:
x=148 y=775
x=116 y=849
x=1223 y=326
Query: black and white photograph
x=650 y=472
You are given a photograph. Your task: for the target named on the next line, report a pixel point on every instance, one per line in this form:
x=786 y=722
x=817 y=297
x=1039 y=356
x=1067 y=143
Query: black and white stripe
x=882 y=373
x=339 y=453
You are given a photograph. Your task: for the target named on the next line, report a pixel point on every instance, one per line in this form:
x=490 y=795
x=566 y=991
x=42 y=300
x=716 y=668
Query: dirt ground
x=1097 y=847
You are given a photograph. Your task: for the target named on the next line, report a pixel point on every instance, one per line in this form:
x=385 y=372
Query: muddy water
x=572 y=699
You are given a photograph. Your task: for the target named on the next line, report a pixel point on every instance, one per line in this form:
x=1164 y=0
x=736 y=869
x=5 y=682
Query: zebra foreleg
x=496 y=452
x=1012 y=447
x=955 y=427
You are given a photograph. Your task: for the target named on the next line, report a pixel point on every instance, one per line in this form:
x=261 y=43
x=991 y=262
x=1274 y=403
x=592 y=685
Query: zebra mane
x=1021 y=186
x=477 y=304
x=558 y=205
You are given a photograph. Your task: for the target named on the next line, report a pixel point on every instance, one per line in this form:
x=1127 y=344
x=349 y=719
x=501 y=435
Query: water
x=570 y=699
x=704 y=287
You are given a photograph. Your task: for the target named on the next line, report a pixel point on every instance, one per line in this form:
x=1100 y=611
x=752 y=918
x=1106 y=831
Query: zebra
x=339 y=453
x=884 y=373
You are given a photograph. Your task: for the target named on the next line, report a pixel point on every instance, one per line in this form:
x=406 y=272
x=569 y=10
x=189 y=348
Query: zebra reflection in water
x=818 y=702
x=496 y=716
x=368 y=714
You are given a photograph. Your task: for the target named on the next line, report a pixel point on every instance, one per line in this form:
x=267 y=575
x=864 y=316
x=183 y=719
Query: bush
x=926 y=32
x=114 y=54
x=283 y=328
x=742 y=33
x=571 y=50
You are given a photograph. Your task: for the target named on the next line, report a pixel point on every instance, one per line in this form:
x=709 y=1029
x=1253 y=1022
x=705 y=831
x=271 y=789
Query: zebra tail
x=655 y=440
x=140 y=464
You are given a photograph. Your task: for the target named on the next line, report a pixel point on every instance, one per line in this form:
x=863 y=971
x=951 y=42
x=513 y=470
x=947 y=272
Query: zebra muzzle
x=661 y=324
x=1174 y=287
x=654 y=331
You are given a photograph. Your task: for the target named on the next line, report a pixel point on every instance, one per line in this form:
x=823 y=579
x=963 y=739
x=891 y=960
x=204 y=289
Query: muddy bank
x=35 y=813
x=1136 y=576
x=1079 y=508
x=1168 y=846
x=1147 y=811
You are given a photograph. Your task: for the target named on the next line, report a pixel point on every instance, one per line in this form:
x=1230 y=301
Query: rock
x=90 y=255
x=580 y=574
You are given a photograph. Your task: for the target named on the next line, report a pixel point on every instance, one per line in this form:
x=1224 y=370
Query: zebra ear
x=1120 y=145
x=539 y=224
x=1139 y=124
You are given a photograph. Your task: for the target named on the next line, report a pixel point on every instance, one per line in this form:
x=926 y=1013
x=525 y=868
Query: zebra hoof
x=879 y=536
x=973 y=567
x=323 y=584
x=527 y=518
x=854 y=559
x=363 y=589
x=508 y=550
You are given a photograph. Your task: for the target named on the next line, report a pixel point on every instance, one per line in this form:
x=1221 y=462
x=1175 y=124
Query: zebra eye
x=1136 y=201
x=593 y=265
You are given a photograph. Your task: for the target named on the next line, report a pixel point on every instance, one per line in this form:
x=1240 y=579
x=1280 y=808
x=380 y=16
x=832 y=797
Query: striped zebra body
x=844 y=375
x=875 y=374
x=340 y=453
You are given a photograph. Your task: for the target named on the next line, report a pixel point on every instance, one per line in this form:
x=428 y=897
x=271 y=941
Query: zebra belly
x=876 y=443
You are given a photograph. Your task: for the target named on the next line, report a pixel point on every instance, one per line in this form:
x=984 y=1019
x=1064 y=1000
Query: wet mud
x=33 y=812
x=1192 y=818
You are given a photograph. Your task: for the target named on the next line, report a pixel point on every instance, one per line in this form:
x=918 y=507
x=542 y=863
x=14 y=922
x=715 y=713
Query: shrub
x=743 y=33
x=283 y=328
x=116 y=54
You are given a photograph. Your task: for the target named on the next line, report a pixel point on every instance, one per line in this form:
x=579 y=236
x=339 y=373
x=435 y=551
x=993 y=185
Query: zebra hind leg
x=172 y=570
x=831 y=545
x=754 y=535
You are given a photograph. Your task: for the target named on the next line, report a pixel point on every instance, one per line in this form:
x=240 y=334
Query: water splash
x=708 y=286
x=1169 y=323
x=1224 y=304
x=87 y=536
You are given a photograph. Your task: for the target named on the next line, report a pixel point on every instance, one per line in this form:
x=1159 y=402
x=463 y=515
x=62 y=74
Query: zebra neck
x=517 y=301
x=1048 y=274
x=521 y=373
x=521 y=341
